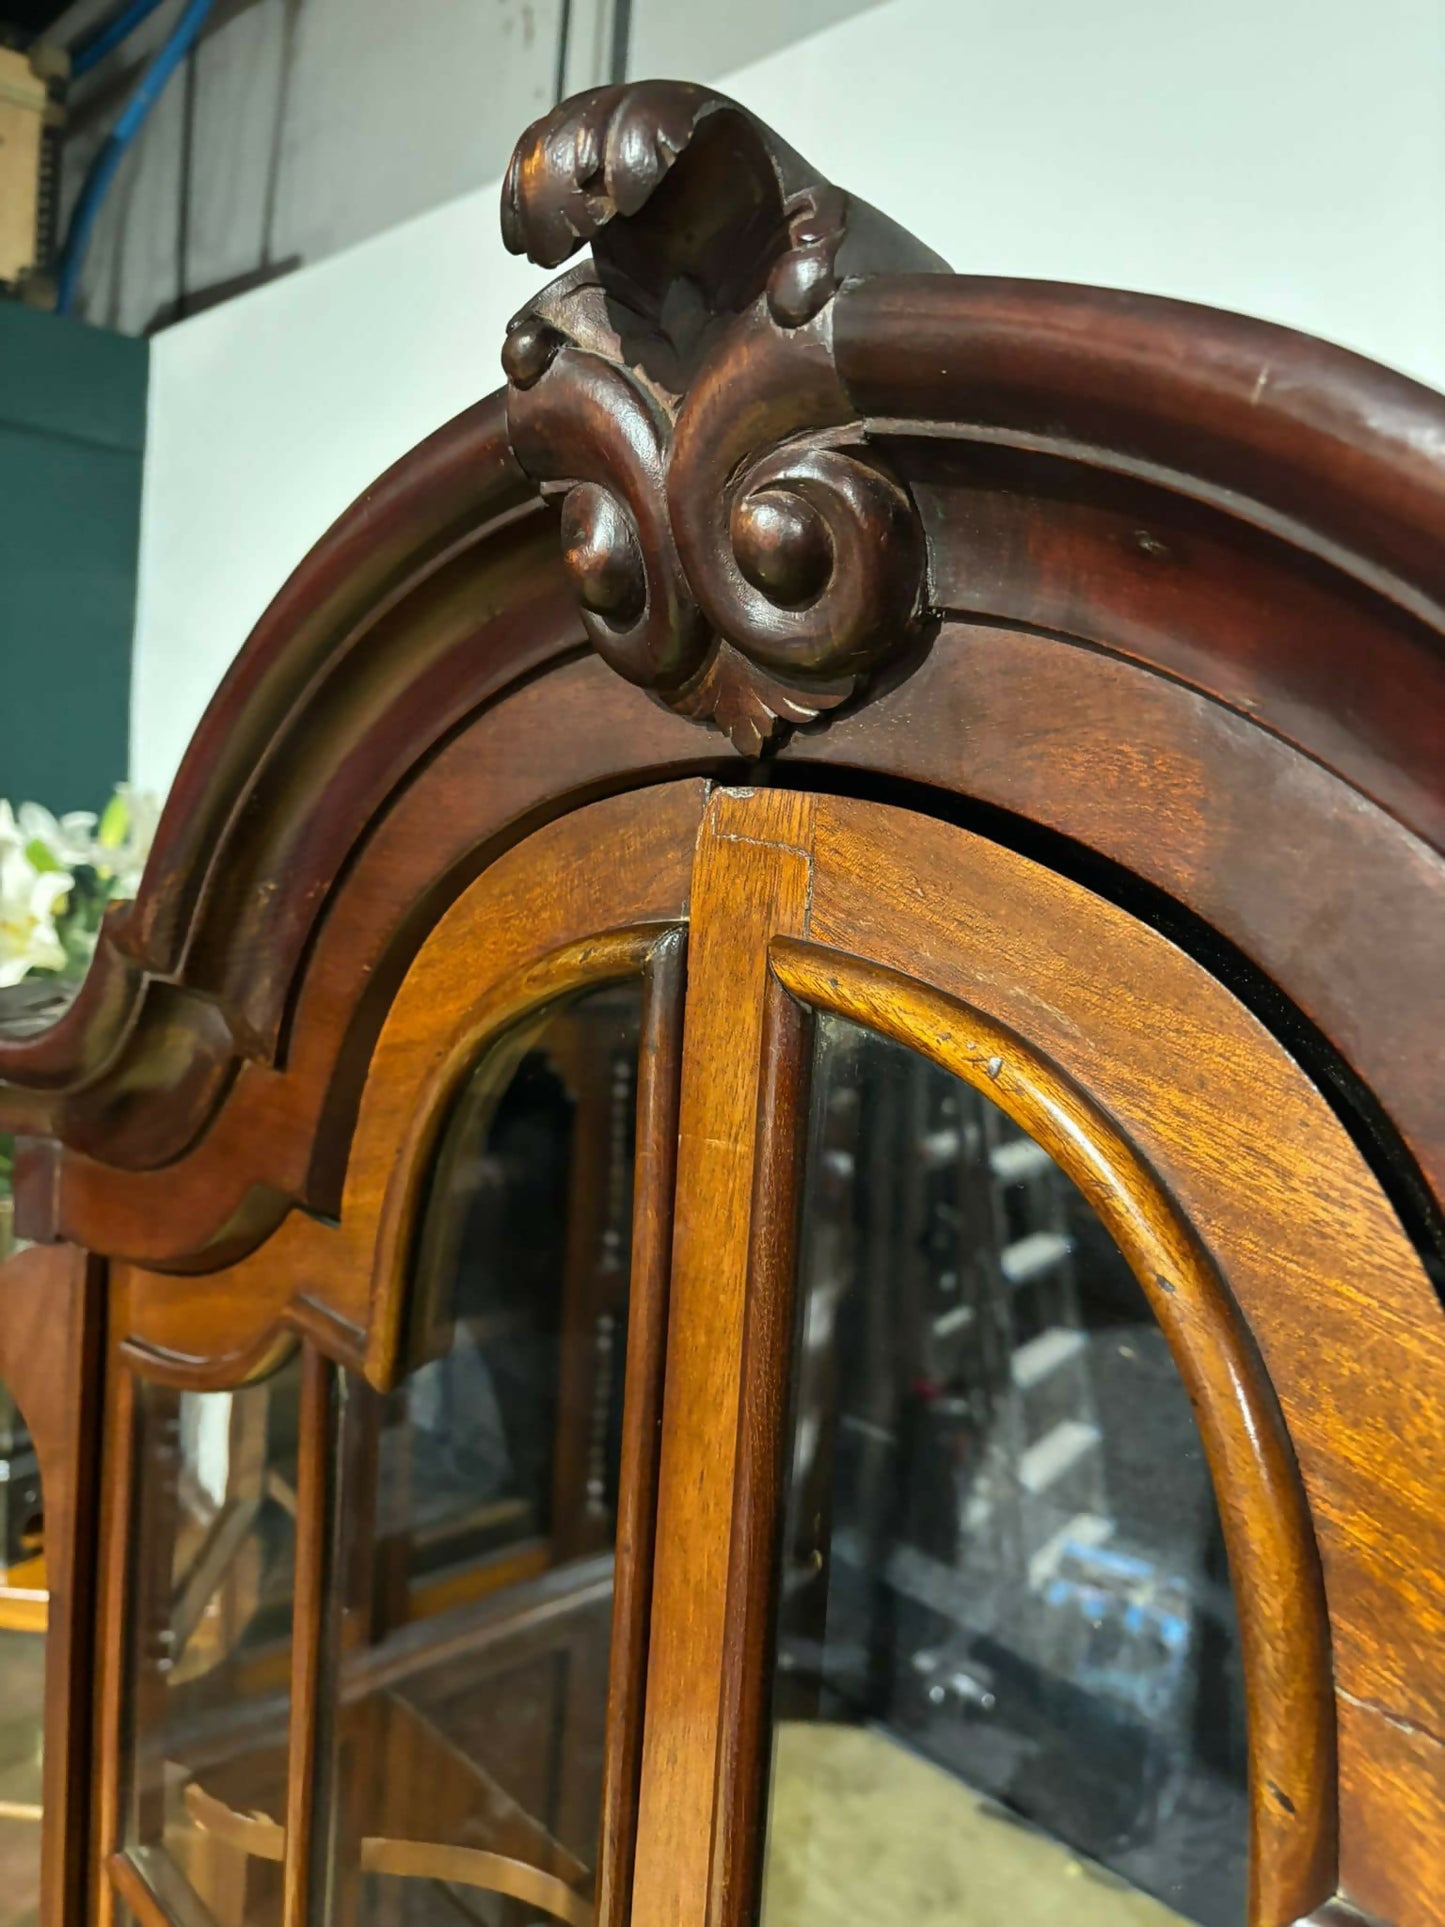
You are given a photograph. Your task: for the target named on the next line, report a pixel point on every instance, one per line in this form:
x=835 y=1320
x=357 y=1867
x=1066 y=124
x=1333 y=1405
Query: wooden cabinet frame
x=1060 y=665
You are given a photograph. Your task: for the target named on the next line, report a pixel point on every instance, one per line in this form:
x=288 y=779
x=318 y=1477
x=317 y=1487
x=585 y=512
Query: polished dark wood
x=749 y=585
x=1023 y=627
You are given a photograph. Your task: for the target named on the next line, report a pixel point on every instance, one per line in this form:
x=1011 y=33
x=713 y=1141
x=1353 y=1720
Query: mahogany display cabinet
x=748 y=1224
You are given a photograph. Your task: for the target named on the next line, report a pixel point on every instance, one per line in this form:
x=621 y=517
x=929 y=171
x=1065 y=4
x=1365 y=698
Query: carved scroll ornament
x=738 y=550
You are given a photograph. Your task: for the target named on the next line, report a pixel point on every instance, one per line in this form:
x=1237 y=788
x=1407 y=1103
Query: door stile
x=654 y=1186
x=770 y=1331
x=110 y=1787
x=751 y=880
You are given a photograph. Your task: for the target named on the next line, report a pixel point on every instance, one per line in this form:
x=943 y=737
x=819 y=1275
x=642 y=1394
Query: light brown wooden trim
x=654 y=1187
x=316 y=1490
x=425 y=1600
x=583 y=963
x=475 y=1867
x=1390 y=1824
x=129 y=1885
x=761 y=1484
x=226 y=1372
x=168 y=1898
x=1273 y=1557
x=750 y=880
x=261 y=1839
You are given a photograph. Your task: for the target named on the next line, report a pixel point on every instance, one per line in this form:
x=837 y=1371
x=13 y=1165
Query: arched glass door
x=464 y=1627
x=1009 y=1263
x=423 y=1576
x=470 y=1618
x=380 y=1574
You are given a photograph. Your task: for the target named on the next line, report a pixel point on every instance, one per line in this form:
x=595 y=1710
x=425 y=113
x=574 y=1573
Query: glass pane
x=210 y=1651
x=466 y=1682
x=1008 y=1681
x=23 y=1610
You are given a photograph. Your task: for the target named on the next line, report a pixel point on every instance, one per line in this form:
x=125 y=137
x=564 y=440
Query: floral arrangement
x=57 y=874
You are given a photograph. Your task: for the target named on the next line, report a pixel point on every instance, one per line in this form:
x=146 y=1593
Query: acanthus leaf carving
x=738 y=549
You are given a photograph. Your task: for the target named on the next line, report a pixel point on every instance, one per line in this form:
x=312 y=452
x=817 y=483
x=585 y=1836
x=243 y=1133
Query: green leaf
x=114 y=823
x=40 y=856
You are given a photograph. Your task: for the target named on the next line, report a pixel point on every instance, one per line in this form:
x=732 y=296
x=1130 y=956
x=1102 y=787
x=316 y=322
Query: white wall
x=1281 y=157
x=267 y=416
x=701 y=39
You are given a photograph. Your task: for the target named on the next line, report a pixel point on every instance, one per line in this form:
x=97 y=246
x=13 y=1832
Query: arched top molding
x=770 y=483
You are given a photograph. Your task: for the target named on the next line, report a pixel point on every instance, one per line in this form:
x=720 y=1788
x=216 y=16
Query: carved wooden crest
x=738 y=549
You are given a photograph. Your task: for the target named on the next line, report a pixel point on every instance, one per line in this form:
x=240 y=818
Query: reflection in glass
x=1004 y=1592
x=465 y=1680
x=210 y=1644
x=23 y=1612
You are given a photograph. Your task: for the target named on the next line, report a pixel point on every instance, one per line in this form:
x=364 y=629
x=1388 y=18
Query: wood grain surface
x=751 y=880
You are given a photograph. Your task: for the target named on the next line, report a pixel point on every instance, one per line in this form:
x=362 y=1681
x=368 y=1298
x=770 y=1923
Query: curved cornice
x=1339 y=456
x=729 y=401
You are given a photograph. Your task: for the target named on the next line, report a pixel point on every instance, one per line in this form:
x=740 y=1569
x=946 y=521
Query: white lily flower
x=68 y=840
x=29 y=900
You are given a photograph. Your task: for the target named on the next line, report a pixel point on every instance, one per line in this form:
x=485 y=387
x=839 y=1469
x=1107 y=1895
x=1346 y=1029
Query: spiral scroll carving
x=738 y=549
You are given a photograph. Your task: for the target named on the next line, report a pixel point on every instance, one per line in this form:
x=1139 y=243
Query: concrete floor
x=862 y=1831
x=22 y=1690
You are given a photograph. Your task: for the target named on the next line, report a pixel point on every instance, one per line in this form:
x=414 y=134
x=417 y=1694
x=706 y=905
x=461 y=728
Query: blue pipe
x=103 y=168
x=108 y=35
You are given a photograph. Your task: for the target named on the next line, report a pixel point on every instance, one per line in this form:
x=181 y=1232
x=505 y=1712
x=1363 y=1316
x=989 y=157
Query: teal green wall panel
x=72 y=438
